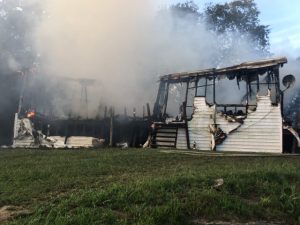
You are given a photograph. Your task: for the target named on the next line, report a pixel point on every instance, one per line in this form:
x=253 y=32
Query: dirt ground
x=9 y=212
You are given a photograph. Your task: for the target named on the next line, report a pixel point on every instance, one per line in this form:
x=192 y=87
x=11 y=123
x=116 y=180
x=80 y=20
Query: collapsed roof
x=261 y=67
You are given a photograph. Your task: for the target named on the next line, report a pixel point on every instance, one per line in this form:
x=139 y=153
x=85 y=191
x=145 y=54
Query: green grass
x=147 y=187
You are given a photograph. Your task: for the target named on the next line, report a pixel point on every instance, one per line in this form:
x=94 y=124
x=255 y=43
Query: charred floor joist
x=237 y=108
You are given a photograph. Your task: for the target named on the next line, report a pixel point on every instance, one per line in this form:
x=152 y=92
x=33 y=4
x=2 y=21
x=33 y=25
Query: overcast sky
x=283 y=18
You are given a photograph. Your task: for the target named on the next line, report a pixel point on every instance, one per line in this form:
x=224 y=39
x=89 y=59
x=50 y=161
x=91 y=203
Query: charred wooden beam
x=111 y=132
x=148 y=111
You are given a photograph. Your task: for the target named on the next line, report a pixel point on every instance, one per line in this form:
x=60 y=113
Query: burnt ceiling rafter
x=249 y=69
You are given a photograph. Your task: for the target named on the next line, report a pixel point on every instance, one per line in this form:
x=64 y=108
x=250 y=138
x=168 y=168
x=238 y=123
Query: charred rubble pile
x=34 y=131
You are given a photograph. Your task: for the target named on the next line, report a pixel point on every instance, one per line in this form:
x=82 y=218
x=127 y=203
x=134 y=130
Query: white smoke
x=124 y=46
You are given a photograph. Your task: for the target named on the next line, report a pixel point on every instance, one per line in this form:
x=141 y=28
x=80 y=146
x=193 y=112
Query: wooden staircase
x=164 y=136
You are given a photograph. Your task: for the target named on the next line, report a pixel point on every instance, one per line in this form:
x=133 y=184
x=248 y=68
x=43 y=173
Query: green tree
x=238 y=16
x=187 y=10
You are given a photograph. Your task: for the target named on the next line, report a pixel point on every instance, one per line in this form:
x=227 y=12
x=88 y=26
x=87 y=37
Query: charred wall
x=9 y=98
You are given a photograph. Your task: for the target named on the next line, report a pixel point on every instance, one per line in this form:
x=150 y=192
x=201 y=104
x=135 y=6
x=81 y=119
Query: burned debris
x=33 y=123
x=111 y=130
x=292 y=120
x=238 y=108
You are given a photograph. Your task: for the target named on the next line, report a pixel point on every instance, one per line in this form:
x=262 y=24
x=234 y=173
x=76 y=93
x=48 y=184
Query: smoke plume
x=123 y=46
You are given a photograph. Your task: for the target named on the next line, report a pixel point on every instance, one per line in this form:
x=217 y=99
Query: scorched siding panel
x=260 y=132
x=199 y=125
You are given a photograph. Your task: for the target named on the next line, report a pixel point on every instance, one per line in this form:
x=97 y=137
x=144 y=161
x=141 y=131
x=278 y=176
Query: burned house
x=237 y=108
x=33 y=123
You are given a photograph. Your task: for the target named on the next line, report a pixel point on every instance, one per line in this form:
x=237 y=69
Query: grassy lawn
x=146 y=187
